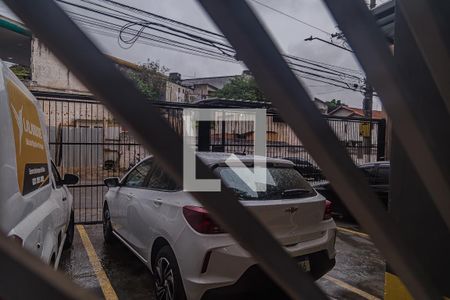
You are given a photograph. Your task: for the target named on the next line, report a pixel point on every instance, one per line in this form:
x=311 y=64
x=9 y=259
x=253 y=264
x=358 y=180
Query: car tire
x=167 y=276
x=70 y=232
x=108 y=235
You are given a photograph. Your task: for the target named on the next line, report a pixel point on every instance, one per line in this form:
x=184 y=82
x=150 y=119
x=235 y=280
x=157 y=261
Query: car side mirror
x=112 y=182
x=70 y=179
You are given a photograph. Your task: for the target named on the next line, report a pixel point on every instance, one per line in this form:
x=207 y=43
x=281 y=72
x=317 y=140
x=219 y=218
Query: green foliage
x=242 y=87
x=23 y=73
x=333 y=104
x=150 y=79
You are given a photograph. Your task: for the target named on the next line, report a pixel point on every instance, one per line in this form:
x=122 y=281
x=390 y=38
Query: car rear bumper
x=255 y=284
x=230 y=266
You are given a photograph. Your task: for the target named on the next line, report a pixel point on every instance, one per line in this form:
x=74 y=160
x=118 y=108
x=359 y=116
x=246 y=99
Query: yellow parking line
x=103 y=280
x=351 y=288
x=353 y=232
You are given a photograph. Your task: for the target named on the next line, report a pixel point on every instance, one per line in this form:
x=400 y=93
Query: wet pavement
x=358 y=264
x=358 y=274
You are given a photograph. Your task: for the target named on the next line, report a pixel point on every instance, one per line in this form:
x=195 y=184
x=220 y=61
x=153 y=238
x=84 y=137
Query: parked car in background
x=35 y=207
x=306 y=168
x=377 y=174
x=189 y=255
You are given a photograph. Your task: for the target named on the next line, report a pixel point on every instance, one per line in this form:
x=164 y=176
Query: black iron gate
x=86 y=140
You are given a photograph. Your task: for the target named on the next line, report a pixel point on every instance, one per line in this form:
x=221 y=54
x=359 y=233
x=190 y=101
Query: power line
x=322 y=64
x=109 y=34
x=147 y=13
x=329 y=92
x=291 y=17
x=326 y=82
x=331 y=72
x=321 y=76
x=194 y=43
x=172 y=21
x=91 y=23
x=311 y=38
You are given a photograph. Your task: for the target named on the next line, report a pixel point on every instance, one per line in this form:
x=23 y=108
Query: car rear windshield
x=282 y=183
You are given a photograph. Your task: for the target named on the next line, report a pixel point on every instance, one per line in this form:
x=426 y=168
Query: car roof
x=214 y=158
x=298 y=161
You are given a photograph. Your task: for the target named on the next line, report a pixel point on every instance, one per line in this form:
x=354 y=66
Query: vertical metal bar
x=415 y=196
x=381 y=137
x=90 y=136
x=222 y=123
x=100 y=129
x=83 y=158
x=100 y=76
x=423 y=147
x=243 y=30
x=430 y=37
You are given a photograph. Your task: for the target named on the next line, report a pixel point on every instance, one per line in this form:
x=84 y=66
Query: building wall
x=203 y=91
x=65 y=113
x=48 y=73
x=177 y=93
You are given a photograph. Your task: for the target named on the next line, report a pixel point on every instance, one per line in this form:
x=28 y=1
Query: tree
x=150 y=79
x=241 y=87
x=333 y=104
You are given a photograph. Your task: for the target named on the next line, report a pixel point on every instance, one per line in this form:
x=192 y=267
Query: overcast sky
x=289 y=35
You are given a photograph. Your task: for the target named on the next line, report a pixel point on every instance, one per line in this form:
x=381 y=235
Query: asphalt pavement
x=113 y=272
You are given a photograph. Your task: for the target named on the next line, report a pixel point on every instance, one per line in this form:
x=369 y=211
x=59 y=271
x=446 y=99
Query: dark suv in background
x=377 y=174
x=307 y=169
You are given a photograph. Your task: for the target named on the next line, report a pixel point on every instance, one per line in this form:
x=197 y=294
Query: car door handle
x=64 y=198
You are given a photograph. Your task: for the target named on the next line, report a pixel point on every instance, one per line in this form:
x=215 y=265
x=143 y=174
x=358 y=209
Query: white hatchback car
x=189 y=255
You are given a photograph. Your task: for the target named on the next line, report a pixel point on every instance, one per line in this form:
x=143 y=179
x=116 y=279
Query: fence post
x=223 y=134
x=381 y=140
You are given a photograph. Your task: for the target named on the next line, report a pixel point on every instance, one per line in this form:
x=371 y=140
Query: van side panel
x=30 y=207
x=8 y=169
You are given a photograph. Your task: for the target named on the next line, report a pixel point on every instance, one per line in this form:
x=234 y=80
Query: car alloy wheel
x=164 y=281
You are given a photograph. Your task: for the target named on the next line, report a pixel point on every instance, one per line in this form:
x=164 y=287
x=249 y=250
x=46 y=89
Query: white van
x=36 y=209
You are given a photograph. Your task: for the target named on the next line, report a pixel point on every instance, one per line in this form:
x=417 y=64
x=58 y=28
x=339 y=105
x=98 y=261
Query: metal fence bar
x=239 y=24
x=366 y=39
x=431 y=40
x=98 y=73
x=23 y=276
x=115 y=150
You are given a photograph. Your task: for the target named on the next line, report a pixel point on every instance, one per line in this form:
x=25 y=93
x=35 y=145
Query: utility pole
x=367 y=110
x=368 y=100
x=368 y=90
x=366 y=126
x=367 y=107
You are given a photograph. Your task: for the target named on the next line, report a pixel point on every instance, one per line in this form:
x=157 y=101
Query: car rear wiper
x=243 y=195
x=295 y=192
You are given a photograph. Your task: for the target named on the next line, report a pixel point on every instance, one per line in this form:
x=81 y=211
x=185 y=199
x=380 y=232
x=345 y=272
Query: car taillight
x=327 y=212
x=200 y=220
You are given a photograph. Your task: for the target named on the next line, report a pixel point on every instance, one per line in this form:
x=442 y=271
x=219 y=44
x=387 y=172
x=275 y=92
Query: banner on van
x=31 y=154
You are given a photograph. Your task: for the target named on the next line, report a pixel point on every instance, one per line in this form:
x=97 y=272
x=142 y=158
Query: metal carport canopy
x=15 y=42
